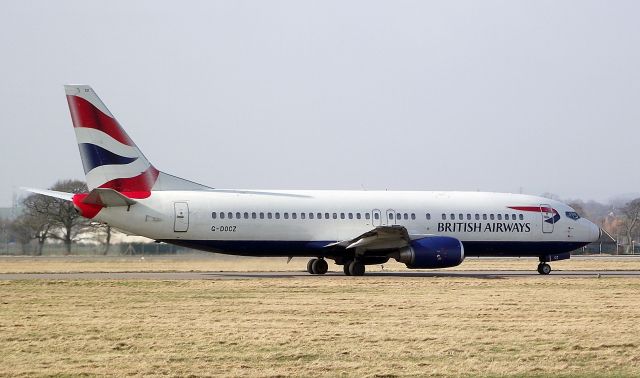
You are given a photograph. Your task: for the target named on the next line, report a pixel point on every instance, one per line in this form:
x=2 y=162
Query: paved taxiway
x=497 y=274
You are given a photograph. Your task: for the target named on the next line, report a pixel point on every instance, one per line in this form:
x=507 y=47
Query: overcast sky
x=538 y=96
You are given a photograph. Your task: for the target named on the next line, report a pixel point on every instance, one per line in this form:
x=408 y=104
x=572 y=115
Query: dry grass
x=212 y=263
x=322 y=326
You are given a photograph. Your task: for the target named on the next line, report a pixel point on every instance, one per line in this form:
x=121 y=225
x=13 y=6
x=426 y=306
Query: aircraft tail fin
x=110 y=158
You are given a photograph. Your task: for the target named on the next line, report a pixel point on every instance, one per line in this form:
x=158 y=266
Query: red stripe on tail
x=135 y=187
x=84 y=114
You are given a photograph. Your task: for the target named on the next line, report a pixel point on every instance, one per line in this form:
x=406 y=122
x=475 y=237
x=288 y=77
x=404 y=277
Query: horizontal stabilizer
x=51 y=193
x=107 y=198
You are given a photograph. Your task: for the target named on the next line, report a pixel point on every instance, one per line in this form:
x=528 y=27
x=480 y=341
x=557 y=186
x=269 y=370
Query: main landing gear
x=354 y=268
x=544 y=268
x=317 y=266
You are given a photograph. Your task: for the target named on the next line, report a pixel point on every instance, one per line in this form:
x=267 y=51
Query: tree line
x=45 y=219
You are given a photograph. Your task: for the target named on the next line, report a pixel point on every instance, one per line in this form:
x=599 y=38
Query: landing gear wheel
x=544 y=268
x=310 y=266
x=356 y=268
x=319 y=266
x=346 y=269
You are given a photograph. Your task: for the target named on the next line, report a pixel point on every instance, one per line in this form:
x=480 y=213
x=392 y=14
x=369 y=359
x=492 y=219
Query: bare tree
x=36 y=218
x=57 y=218
x=21 y=231
x=69 y=225
x=630 y=221
x=105 y=238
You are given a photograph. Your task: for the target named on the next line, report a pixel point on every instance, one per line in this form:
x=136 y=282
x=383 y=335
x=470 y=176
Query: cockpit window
x=573 y=215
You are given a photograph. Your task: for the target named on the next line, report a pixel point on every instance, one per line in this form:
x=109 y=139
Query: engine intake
x=432 y=252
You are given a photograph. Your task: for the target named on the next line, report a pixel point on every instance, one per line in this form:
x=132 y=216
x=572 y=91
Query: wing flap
x=381 y=237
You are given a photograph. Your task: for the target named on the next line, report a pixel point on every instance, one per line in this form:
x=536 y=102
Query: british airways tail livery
x=424 y=230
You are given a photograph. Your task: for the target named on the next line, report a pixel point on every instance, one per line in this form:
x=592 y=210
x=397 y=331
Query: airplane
x=422 y=229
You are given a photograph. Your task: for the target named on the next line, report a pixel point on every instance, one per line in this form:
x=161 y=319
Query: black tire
x=356 y=268
x=545 y=268
x=346 y=269
x=540 y=268
x=310 y=266
x=319 y=266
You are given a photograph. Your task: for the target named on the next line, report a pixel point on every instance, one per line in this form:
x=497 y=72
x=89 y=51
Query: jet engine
x=432 y=252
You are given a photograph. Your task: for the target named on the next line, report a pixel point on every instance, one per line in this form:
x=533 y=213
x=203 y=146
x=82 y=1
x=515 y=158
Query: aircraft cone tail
x=110 y=158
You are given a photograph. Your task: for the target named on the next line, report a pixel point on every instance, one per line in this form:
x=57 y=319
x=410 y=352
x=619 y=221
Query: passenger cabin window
x=238 y=215
x=350 y=215
x=367 y=216
x=230 y=215
x=261 y=215
x=253 y=215
x=452 y=216
x=477 y=216
x=390 y=215
x=221 y=215
x=246 y=215
x=277 y=215
x=341 y=215
x=428 y=216
x=286 y=215
x=460 y=217
x=376 y=216
x=294 y=215
x=406 y=216
x=444 y=217
x=358 y=216
x=214 y=215
x=521 y=216
x=413 y=216
x=492 y=216
x=302 y=215
x=269 y=215
x=335 y=215
x=468 y=216
x=326 y=215
x=499 y=216
x=513 y=217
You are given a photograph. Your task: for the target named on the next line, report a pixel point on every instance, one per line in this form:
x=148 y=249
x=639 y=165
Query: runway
x=483 y=274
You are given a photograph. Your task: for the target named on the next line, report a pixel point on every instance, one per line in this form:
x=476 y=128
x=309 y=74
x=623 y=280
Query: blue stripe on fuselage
x=318 y=248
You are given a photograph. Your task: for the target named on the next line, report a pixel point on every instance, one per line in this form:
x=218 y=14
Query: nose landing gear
x=544 y=268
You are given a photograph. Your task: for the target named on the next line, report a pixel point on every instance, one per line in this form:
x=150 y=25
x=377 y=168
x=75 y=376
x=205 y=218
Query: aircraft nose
x=594 y=232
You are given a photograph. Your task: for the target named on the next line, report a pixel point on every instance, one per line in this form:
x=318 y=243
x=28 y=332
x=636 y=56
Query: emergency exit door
x=181 y=220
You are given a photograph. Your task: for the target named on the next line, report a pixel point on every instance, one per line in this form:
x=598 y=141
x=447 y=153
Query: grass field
x=367 y=326
x=317 y=326
x=212 y=262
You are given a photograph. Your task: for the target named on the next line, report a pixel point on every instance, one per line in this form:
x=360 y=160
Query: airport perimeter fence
x=79 y=249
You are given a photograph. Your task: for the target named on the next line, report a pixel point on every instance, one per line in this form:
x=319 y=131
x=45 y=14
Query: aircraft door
x=548 y=218
x=391 y=217
x=181 y=220
x=376 y=218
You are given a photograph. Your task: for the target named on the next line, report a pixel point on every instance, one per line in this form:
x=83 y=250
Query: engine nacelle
x=432 y=252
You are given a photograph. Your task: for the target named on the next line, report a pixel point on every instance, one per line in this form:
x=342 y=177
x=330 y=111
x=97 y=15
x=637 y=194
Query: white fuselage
x=226 y=220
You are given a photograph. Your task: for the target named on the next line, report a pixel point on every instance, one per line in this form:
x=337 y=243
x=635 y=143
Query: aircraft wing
x=381 y=237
